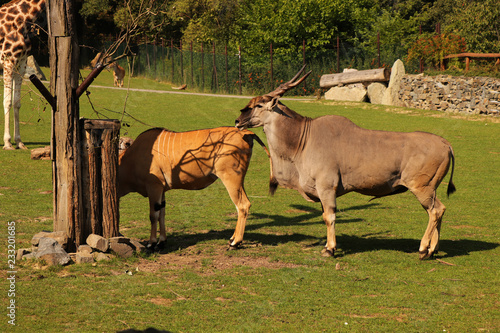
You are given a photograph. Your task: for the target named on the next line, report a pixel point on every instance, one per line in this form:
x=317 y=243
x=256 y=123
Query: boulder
x=391 y=95
x=84 y=257
x=98 y=242
x=122 y=249
x=352 y=92
x=99 y=256
x=40 y=153
x=124 y=143
x=84 y=249
x=138 y=247
x=21 y=253
x=59 y=236
x=121 y=246
x=376 y=92
x=52 y=252
x=33 y=68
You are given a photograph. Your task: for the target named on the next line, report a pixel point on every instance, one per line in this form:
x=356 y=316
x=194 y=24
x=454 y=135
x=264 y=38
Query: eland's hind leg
x=435 y=209
x=234 y=186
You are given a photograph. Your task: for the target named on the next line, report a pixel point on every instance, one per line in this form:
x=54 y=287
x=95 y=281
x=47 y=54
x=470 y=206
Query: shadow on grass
x=176 y=241
x=348 y=244
x=309 y=213
x=449 y=248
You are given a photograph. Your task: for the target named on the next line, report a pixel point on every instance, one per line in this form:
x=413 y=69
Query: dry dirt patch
x=208 y=262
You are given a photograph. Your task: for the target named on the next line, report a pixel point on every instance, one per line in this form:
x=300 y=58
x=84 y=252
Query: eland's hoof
x=327 y=253
x=233 y=246
x=425 y=254
x=160 y=246
x=21 y=145
x=8 y=147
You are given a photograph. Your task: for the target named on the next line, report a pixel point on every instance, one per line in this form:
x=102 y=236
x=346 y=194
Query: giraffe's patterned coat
x=17 y=18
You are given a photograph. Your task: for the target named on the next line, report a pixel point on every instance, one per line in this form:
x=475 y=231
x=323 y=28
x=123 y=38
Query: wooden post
x=64 y=64
x=100 y=176
x=70 y=162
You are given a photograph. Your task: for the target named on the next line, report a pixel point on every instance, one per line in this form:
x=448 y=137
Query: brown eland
x=329 y=156
x=160 y=160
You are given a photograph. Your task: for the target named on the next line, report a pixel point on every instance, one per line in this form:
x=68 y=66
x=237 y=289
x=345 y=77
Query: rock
x=119 y=239
x=98 y=242
x=351 y=92
x=376 y=92
x=59 y=236
x=84 y=258
x=21 y=253
x=40 y=153
x=33 y=68
x=391 y=96
x=138 y=247
x=102 y=256
x=451 y=94
x=84 y=249
x=123 y=250
x=52 y=252
x=124 y=143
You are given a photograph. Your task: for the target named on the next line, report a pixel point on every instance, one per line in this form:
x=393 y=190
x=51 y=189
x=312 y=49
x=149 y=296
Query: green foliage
x=432 y=49
x=479 y=22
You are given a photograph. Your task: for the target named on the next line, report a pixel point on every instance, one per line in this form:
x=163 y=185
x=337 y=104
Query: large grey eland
x=160 y=160
x=330 y=156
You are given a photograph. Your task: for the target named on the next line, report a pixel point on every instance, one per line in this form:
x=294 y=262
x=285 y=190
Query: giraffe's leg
x=18 y=80
x=7 y=103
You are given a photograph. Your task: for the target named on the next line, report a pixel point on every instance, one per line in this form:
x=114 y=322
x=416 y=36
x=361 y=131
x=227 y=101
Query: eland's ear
x=272 y=104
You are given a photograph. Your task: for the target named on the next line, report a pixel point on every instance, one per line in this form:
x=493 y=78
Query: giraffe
x=16 y=18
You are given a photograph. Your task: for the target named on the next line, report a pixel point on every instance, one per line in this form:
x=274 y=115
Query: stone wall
x=473 y=95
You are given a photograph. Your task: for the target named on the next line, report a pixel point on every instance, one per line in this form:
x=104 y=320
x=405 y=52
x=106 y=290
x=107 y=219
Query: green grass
x=278 y=281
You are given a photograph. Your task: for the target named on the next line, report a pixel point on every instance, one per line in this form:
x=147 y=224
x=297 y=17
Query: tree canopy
x=254 y=24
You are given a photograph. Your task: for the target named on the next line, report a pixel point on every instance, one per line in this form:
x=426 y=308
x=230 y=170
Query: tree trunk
x=370 y=75
x=64 y=52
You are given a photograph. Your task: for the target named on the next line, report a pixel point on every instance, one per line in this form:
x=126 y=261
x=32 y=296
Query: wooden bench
x=468 y=57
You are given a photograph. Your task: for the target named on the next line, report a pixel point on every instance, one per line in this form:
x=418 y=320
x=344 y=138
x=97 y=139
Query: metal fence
x=219 y=69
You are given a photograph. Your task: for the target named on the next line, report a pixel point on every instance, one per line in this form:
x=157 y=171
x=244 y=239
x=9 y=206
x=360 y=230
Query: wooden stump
x=100 y=177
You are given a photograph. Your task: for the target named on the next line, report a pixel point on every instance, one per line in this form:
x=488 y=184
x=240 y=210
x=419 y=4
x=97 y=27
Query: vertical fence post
x=173 y=62
x=202 y=69
x=338 y=54
x=154 y=57
x=147 y=55
x=378 y=48
x=163 y=56
x=239 y=68
x=272 y=70
x=192 y=70
x=421 y=60
x=227 y=79
x=182 y=64
x=214 y=71
x=304 y=60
